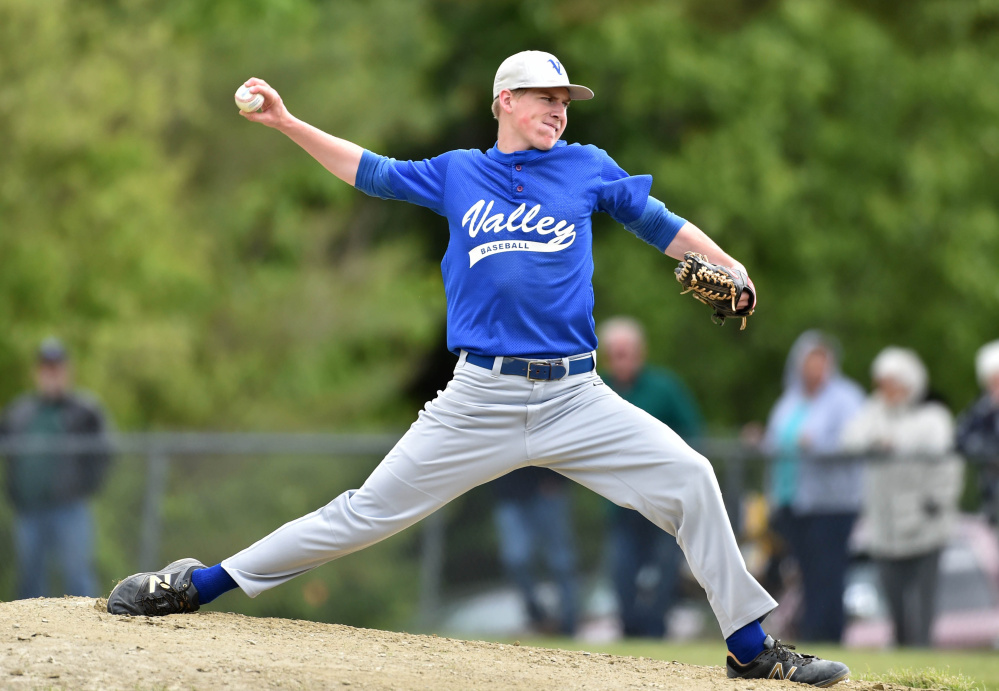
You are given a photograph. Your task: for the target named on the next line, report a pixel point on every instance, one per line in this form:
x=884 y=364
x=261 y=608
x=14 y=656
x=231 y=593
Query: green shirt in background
x=35 y=474
x=661 y=394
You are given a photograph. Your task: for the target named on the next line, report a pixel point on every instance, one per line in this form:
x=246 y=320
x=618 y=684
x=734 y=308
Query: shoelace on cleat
x=785 y=654
x=172 y=599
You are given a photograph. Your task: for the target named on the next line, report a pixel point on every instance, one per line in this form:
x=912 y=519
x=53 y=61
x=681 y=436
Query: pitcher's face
x=540 y=116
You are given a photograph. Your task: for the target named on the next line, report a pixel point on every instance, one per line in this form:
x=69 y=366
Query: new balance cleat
x=155 y=594
x=777 y=661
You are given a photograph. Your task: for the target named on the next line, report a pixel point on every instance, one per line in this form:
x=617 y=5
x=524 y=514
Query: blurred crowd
x=879 y=473
x=889 y=460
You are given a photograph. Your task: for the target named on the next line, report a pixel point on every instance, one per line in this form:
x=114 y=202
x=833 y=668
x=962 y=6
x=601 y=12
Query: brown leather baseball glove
x=717 y=286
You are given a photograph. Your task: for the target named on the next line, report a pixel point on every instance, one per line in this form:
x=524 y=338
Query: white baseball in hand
x=247 y=100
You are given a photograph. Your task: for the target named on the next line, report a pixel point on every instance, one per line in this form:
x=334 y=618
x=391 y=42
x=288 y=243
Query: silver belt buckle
x=539 y=362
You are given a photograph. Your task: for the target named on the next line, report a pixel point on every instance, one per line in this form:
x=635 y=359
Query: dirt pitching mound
x=74 y=643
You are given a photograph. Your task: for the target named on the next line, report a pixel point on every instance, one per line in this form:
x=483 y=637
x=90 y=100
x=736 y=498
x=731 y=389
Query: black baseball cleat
x=777 y=661
x=155 y=594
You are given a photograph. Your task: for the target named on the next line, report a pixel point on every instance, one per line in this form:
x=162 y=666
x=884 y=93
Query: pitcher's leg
x=625 y=454
x=471 y=433
x=452 y=447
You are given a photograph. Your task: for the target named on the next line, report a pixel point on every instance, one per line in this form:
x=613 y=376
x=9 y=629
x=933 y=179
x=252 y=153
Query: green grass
x=939 y=669
x=928 y=678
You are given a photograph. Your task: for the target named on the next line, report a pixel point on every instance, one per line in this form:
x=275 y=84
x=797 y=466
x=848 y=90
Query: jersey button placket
x=518 y=184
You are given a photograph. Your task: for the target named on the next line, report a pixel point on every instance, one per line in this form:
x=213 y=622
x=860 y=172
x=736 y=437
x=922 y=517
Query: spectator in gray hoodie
x=814 y=501
x=912 y=490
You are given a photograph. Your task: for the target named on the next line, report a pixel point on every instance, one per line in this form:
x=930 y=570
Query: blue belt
x=535 y=370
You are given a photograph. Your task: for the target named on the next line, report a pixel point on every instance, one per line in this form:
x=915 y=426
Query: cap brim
x=576 y=91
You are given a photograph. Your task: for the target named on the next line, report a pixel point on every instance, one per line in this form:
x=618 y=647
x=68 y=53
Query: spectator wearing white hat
x=912 y=487
x=978 y=428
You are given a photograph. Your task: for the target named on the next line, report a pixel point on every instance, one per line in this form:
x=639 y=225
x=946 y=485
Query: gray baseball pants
x=485 y=424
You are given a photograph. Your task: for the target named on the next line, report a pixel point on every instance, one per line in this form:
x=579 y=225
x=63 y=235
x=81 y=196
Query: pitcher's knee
x=697 y=467
x=700 y=481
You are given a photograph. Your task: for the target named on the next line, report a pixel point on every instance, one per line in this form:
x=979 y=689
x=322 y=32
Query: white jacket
x=910 y=503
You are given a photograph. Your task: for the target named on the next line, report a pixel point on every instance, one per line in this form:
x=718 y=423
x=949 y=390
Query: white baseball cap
x=904 y=366
x=987 y=362
x=535 y=69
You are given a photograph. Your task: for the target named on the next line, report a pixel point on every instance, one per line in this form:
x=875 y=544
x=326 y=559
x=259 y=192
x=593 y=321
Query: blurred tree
x=93 y=238
x=212 y=275
x=850 y=169
x=209 y=274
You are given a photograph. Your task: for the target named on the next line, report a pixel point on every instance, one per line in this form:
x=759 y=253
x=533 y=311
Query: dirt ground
x=73 y=643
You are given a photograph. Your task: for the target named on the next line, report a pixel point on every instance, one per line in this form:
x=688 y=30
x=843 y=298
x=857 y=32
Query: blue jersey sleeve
x=626 y=198
x=417 y=182
x=621 y=195
x=657 y=225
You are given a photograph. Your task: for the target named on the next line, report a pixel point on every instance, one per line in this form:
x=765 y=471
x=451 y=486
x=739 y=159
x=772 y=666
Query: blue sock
x=747 y=642
x=212 y=582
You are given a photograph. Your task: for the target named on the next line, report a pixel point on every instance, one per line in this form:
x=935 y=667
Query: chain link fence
x=172 y=495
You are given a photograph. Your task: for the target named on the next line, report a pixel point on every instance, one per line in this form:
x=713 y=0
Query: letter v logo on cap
x=556 y=66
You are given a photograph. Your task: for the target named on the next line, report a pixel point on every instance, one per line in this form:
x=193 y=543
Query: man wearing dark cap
x=49 y=488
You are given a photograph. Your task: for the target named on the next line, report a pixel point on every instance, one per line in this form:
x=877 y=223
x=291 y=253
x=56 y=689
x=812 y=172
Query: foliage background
x=207 y=274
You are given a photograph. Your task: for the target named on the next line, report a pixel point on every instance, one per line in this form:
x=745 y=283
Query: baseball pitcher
x=517 y=276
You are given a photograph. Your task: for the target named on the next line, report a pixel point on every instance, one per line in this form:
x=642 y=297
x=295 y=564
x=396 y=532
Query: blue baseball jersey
x=519 y=264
